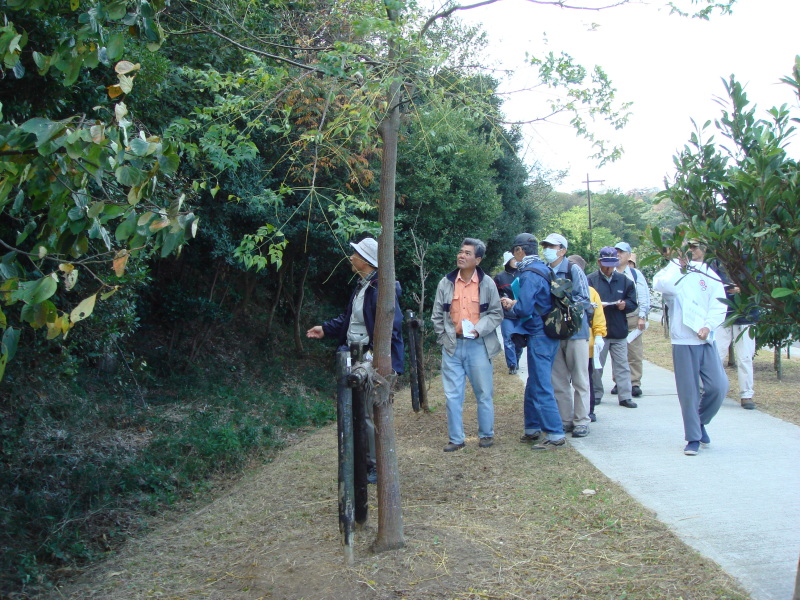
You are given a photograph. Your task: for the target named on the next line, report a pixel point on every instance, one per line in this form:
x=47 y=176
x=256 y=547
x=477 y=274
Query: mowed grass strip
x=499 y=523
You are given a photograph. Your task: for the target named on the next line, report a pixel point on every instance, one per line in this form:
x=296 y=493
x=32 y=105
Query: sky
x=671 y=68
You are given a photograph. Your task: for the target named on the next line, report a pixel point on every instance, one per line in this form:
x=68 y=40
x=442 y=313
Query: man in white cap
x=503 y=280
x=570 y=377
x=636 y=319
x=356 y=324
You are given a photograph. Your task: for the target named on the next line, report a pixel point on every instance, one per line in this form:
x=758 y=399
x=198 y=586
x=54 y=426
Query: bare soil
x=497 y=523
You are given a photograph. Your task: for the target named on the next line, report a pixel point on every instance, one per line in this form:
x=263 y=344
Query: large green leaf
x=129 y=175
x=44 y=129
x=33 y=292
x=11 y=341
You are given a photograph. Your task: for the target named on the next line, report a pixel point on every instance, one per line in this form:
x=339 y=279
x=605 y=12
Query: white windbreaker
x=702 y=288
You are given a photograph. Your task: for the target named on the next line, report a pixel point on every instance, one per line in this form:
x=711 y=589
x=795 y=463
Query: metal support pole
x=344 y=413
x=589 y=205
x=411 y=324
x=360 y=453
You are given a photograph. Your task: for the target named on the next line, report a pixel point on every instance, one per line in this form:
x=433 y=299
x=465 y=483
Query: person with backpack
x=637 y=320
x=533 y=301
x=618 y=296
x=570 y=377
x=503 y=280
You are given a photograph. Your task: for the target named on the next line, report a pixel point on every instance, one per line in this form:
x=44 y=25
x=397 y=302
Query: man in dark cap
x=618 y=295
x=533 y=301
x=356 y=324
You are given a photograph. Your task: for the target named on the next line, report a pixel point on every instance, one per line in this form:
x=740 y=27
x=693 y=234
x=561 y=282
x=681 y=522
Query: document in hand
x=637 y=332
x=468 y=329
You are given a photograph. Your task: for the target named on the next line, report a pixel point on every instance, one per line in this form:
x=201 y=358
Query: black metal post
x=360 y=453
x=413 y=331
x=344 y=413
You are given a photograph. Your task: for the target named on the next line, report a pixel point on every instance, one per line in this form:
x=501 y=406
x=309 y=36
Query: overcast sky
x=670 y=67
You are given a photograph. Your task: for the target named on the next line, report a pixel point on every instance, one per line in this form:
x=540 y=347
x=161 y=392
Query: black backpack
x=565 y=318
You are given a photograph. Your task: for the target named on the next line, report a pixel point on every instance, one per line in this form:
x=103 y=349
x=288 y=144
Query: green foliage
x=741 y=197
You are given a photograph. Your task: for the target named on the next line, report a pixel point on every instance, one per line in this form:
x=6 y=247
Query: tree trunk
x=301 y=290
x=390 y=515
x=277 y=300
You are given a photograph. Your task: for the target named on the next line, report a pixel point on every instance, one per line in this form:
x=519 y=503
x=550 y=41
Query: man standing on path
x=637 y=320
x=503 y=280
x=533 y=301
x=692 y=291
x=466 y=313
x=356 y=325
x=618 y=296
x=572 y=355
x=740 y=334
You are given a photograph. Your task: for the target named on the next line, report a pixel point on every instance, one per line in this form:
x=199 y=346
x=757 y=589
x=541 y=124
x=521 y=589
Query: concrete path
x=737 y=502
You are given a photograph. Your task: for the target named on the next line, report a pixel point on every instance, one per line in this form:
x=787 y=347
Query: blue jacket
x=533 y=299
x=337 y=327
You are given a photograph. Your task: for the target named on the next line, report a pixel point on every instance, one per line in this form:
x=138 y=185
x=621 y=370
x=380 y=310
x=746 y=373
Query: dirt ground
x=498 y=523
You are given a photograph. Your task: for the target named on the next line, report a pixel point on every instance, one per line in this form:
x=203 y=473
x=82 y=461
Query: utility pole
x=589 y=204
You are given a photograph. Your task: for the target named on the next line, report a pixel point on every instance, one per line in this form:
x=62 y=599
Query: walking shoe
x=614 y=390
x=486 y=442
x=512 y=370
x=549 y=444
x=747 y=404
x=704 y=439
x=628 y=403
x=580 y=431
x=528 y=438
x=592 y=417
x=692 y=448
x=451 y=447
x=636 y=391
x=569 y=427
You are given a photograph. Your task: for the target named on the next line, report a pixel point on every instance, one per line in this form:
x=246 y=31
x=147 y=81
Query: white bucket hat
x=368 y=250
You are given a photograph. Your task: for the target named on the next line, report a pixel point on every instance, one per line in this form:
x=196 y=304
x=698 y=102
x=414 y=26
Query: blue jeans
x=512 y=354
x=469 y=360
x=540 y=408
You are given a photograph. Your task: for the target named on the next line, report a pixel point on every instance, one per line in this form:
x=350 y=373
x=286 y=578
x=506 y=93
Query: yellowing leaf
x=120 y=260
x=70 y=279
x=97 y=132
x=126 y=83
x=120 y=110
x=84 y=309
x=159 y=224
x=42 y=251
x=74 y=4
x=108 y=295
x=66 y=267
x=114 y=91
x=124 y=66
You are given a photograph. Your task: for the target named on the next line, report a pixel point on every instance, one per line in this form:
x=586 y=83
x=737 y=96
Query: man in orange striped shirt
x=466 y=314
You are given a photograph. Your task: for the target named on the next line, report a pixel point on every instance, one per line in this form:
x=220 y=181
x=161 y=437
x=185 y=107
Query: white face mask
x=550 y=255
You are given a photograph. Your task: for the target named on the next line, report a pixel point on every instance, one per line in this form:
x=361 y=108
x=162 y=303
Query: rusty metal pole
x=420 y=365
x=344 y=413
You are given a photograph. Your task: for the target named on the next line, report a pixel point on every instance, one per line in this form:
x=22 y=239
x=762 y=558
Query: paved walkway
x=737 y=502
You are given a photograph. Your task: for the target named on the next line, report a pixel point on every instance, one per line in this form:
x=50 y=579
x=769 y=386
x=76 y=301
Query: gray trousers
x=571 y=382
x=618 y=349
x=694 y=364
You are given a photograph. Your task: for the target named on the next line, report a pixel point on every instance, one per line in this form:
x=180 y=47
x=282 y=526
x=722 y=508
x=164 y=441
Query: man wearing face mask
x=618 y=295
x=572 y=355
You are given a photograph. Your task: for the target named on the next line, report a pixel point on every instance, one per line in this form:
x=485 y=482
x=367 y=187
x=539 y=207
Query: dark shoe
x=628 y=403
x=598 y=401
x=636 y=391
x=580 y=431
x=692 y=448
x=451 y=447
x=512 y=370
x=568 y=428
x=549 y=444
x=372 y=475
x=704 y=439
x=747 y=404
x=592 y=417
x=613 y=390
x=529 y=438
x=486 y=442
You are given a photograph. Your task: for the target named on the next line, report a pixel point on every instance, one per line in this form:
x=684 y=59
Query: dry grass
x=497 y=523
x=780 y=399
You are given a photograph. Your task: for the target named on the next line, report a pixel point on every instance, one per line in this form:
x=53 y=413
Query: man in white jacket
x=695 y=311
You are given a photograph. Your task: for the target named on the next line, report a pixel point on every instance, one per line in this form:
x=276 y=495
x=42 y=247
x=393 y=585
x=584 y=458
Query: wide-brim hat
x=368 y=250
x=507 y=256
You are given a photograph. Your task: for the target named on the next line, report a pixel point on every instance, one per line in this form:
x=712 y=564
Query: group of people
x=564 y=381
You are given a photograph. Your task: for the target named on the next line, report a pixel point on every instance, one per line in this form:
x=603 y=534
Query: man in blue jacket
x=356 y=324
x=533 y=301
x=618 y=295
